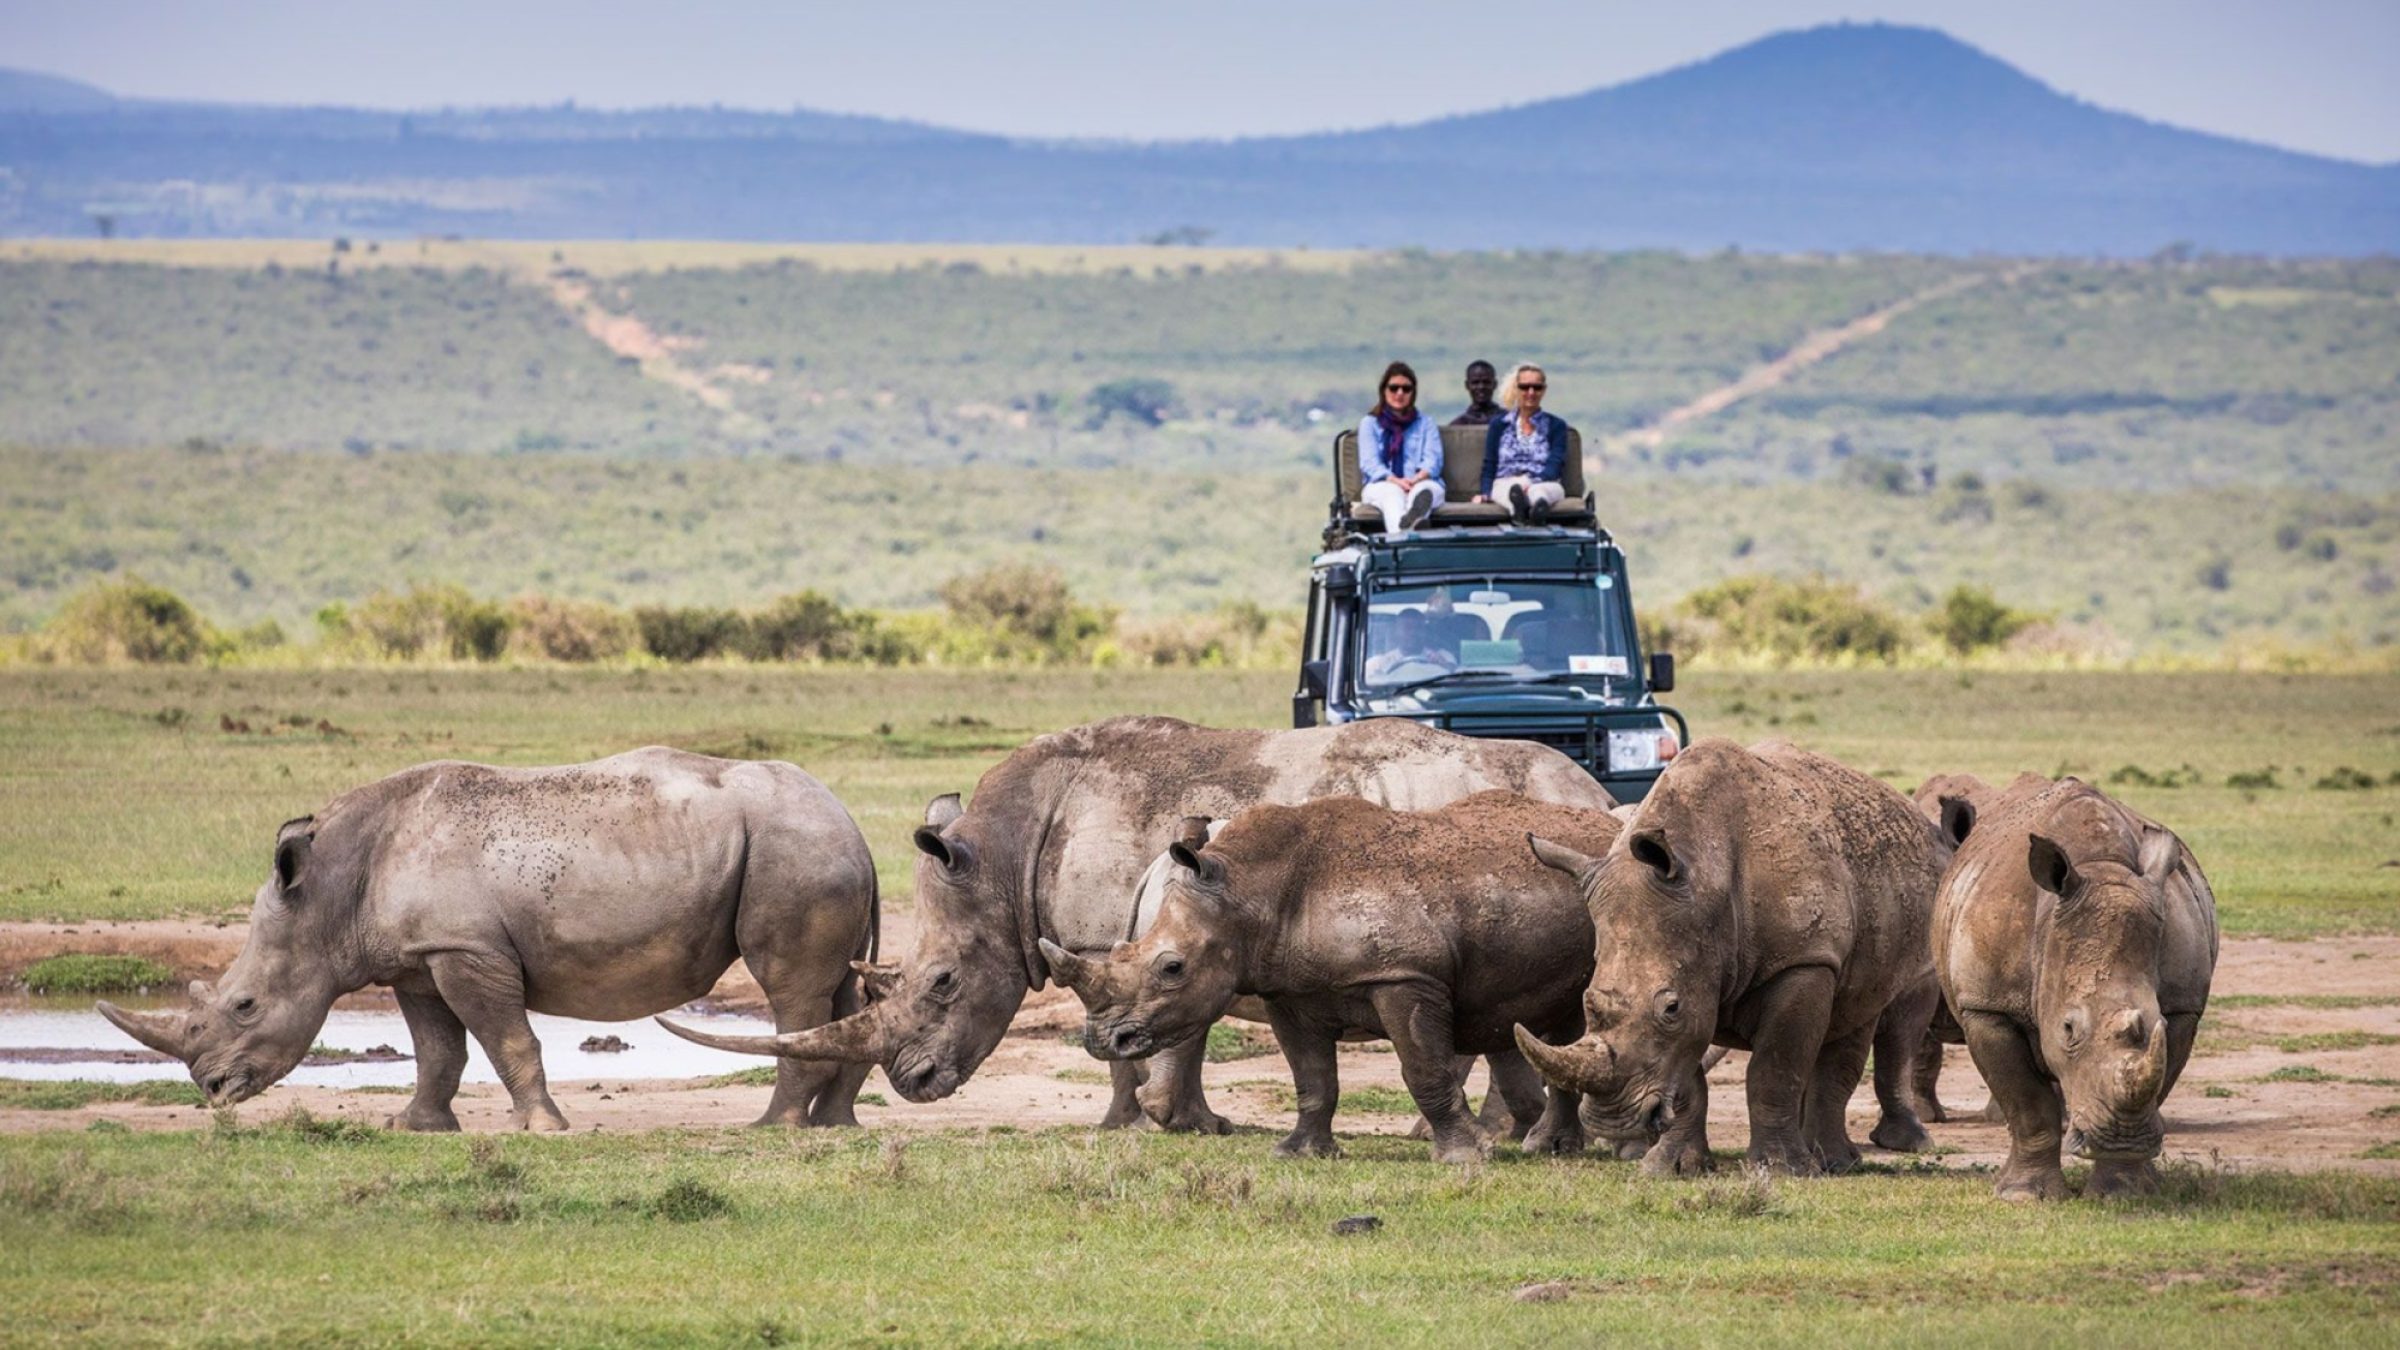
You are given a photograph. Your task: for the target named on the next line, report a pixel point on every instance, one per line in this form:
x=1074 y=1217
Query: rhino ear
x=1558 y=856
x=952 y=854
x=1201 y=863
x=1194 y=832
x=878 y=980
x=1651 y=849
x=2051 y=869
x=292 y=845
x=942 y=810
x=1958 y=820
x=2160 y=853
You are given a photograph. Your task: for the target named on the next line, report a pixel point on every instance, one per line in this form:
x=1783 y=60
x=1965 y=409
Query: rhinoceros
x=1767 y=899
x=606 y=891
x=2075 y=940
x=1434 y=928
x=1054 y=846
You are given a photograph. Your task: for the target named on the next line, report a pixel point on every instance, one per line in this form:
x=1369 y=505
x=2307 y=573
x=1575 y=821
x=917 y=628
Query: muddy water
x=70 y=1025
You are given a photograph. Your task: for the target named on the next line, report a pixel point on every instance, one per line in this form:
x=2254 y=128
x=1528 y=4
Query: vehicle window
x=1526 y=628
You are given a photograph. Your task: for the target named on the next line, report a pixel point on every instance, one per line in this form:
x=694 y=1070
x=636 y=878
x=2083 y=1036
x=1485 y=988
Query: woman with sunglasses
x=1525 y=452
x=1400 y=454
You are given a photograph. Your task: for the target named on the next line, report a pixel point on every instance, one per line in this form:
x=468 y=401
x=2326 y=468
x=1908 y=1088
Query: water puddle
x=70 y=1026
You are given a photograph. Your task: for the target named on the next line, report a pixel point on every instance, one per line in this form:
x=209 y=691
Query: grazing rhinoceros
x=607 y=891
x=1433 y=928
x=1054 y=846
x=1767 y=899
x=2075 y=941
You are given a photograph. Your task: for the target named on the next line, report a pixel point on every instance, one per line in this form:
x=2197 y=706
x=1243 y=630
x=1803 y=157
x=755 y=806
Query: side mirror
x=1311 y=692
x=1662 y=672
x=1312 y=678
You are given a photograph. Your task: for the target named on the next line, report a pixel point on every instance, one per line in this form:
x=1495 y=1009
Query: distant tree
x=105 y=223
x=1970 y=619
x=1144 y=399
x=1185 y=236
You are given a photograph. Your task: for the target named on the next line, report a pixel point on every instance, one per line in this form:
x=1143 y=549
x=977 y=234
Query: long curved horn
x=1067 y=968
x=1574 y=1068
x=859 y=1039
x=2148 y=1075
x=162 y=1032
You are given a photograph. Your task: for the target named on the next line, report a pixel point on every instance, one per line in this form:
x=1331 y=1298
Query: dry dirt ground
x=2227 y=1110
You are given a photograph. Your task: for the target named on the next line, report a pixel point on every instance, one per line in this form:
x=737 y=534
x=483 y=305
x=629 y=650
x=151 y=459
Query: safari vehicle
x=1484 y=627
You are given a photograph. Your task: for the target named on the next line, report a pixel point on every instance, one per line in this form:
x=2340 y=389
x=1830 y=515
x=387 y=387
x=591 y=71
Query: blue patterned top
x=1524 y=456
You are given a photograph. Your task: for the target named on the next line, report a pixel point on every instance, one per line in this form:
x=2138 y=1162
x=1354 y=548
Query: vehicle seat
x=1462 y=474
x=1449 y=630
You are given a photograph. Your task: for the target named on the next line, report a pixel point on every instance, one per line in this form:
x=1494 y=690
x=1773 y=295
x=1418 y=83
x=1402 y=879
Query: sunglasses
x=1531 y=388
x=1399 y=389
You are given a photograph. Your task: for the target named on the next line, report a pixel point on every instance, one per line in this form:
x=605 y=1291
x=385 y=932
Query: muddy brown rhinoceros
x=1054 y=845
x=1766 y=899
x=1434 y=928
x=609 y=890
x=2075 y=940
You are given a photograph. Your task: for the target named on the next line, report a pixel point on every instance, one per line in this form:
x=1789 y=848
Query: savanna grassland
x=309 y=1230
x=2182 y=457
x=127 y=796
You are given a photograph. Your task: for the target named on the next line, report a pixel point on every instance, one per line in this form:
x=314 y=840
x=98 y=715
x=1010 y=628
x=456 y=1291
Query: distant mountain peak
x=33 y=91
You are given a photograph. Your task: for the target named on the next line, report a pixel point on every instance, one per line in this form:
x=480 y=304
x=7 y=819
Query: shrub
x=428 y=620
x=690 y=633
x=2346 y=779
x=128 y=620
x=1970 y=619
x=1145 y=400
x=809 y=626
x=687 y=1201
x=1788 y=619
x=84 y=973
x=1028 y=603
x=568 y=630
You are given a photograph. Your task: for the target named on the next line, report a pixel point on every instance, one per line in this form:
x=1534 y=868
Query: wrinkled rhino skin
x=606 y=891
x=1766 y=899
x=2075 y=940
x=1053 y=846
x=1437 y=929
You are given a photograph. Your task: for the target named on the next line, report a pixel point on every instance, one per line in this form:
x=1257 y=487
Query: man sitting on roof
x=1481 y=411
x=1525 y=453
x=1400 y=454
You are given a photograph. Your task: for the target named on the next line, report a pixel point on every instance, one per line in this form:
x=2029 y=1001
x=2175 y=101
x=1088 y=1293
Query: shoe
x=1519 y=509
x=1541 y=511
x=1419 y=507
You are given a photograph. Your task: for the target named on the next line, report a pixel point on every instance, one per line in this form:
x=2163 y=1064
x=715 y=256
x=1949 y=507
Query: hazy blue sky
x=2310 y=74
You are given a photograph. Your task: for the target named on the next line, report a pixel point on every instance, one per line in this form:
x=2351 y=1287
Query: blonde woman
x=1525 y=452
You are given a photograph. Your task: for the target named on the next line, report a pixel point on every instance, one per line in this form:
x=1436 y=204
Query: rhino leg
x=2030 y=1102
x=1493 y=1107
x=1925 y=1078
x=1522 y=1095
x=1839 y=1066
x=1125 y=1077
x=1683 y=1150
x=489 y=997
x=1174 y=1098
x=1316 y=1081
x=440 y=1041
x=1417 y=1018
x=798 y=1082
x=837 y=1102
x=1786 y=1034
x=1900 y=1038
x=1560 y=1130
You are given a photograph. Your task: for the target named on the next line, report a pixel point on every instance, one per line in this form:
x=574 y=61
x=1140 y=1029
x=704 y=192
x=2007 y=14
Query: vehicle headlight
x=1633 y=751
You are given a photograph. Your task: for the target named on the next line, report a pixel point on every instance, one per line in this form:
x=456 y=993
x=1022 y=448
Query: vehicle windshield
x=1486 y=631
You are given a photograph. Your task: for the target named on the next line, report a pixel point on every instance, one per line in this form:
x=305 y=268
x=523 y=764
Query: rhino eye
x=1173 y=965
x=245 y=1005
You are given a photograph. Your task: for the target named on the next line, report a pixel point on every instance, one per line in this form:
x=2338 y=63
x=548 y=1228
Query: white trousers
x=1387 y=496
x=1534 y=492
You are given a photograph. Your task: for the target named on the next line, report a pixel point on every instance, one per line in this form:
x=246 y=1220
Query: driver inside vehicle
x=1412 y=643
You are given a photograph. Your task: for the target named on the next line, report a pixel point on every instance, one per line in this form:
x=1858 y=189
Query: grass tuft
x=26 y=1094
x=1229 y=1041
x=685 y=1200
x=84 y=973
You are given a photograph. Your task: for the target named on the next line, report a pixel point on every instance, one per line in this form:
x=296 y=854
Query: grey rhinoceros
x=1053 y=847
x=606 y=891
x=2075 y=940
x=1767 y=899
x=1434 y=928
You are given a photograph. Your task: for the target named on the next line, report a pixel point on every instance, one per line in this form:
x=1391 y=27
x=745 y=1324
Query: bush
x=83 y=973
x=1027 y=603
x=1970 y=619
x=1787 y=619
x=809 y=626
x=1148 y=401
x=568 y=630
x=438 y=621
x=690 y=633
x=129 y=620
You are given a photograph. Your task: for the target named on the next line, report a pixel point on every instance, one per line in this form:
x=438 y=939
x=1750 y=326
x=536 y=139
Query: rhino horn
x=2147 y=1076
x=162 y=1032
x=1574 y=1068
x=859 y=1039
x=1067 y=968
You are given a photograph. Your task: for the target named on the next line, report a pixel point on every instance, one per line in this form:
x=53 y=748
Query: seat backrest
x=1462 y=463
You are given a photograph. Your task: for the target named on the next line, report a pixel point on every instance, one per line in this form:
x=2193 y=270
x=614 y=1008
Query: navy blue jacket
x=1552 y=424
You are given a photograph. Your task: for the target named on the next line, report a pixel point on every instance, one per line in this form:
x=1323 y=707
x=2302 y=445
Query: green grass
x=2224 y=1001
x=84 y=973
x=1228 y=1042
x=108 y=811
x=762 y=1076
x=41 y=1094
x=2320 y=1041
x=662 y=1237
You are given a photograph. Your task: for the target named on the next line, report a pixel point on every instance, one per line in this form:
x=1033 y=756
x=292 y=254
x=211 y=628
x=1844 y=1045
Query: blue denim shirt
x=1420 y=450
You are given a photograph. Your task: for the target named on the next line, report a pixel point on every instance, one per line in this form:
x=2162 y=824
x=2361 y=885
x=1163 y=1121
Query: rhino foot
x=2111 y=1179
x=546 y=1120
x=1901 y=1134
x=1786 y=1161
x=2028 y=1186
x=1840 y=1159
x=1307 y=1146
x=424 y=1120
x=1564 y=1141
x=1197 y=1119
x=1677 y=1158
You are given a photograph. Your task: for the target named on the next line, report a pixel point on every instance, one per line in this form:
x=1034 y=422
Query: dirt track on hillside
x=2222 y=1113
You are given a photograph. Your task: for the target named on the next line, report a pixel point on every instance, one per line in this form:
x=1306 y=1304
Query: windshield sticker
x=1579 y=664
x=1506 y=652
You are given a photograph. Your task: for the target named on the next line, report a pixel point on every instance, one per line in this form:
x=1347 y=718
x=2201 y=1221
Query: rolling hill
x=1851 y=137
